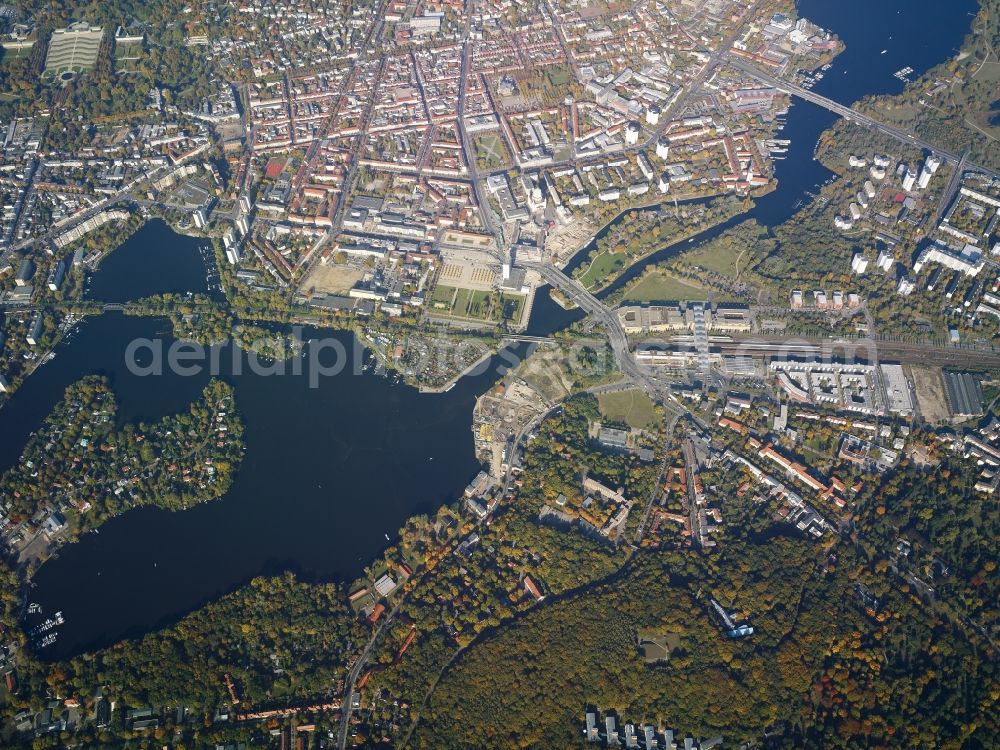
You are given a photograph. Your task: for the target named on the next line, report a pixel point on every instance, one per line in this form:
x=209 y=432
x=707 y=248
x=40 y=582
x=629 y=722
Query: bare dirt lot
x=331 y=279
x=564 y=241
x=546 y=371
x=929 y=386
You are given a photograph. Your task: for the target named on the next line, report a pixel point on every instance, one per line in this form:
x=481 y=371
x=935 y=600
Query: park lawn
x=473 y=304
x=513 y=307
x=662 y=287
x=490 y=151
x=7 y=55
x=462 y=302
x=558 y=76
x=442 y=294
x=603 y=266
x=478 y=304
x=633 y=407
x=717 y=256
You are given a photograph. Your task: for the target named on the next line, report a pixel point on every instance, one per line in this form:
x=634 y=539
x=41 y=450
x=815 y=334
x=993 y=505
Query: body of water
x=328 y=473
x=548 y=316
x=154 y=260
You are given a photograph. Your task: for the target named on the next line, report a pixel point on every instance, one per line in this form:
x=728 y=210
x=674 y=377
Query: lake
x=154 y=260
x=328 y=473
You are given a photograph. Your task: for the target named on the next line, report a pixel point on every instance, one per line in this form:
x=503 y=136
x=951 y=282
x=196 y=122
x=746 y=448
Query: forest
x=283 y=642
x=104 y=92
x=819 y=670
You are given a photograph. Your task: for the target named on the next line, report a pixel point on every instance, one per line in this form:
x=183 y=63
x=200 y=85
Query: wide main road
x=601 y=313
x=616 y=335
x=853 y=115
x=467 y=145
x=715 y=59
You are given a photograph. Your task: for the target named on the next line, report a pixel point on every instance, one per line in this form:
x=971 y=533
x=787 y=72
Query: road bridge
x=953 y=185
x=525 y=339
x=854 y=116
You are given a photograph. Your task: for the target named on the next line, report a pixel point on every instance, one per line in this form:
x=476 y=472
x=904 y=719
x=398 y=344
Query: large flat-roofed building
x=850 y=386
x=652 y=318
x=730 y=318
x=24 y=272
x=611 y=437
x=74 y=48
x=35 y=330
x=965 y=394
x=636 y=319
x=969 y=260
x=897 y=389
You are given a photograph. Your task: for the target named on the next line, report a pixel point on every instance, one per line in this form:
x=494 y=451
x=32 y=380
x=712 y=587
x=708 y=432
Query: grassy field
x=474 y=304
x=719 y=257
x=601 y=268
x=558 y=76
x=513 y=307
x=634 y=408
x=7 y=55
x=441 y=297
x=462 y=302
x=478 y=304
x=662 y=287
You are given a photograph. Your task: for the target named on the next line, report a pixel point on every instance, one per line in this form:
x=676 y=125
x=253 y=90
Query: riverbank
x=675 y=244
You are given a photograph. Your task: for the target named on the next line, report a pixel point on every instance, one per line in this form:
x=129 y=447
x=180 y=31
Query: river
x=330 y=471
